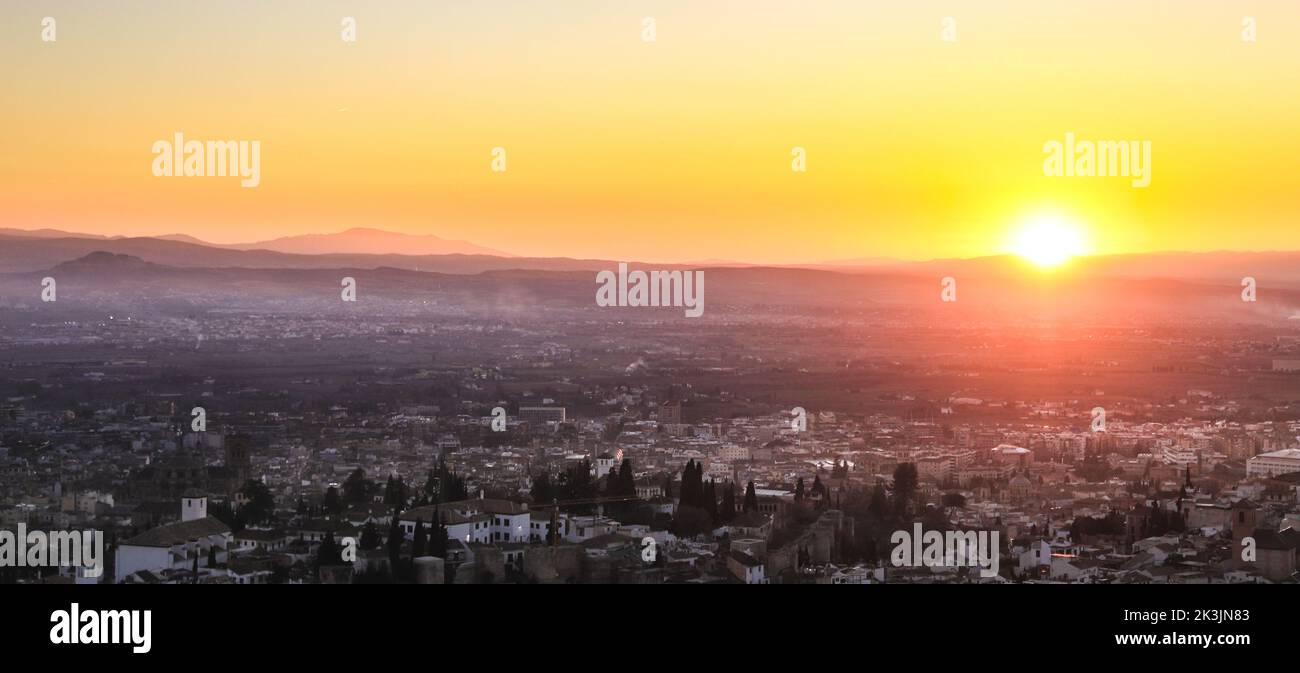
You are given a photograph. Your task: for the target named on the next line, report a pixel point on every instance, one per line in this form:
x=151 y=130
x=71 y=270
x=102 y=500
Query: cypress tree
x=751 y=499
x=417 y=546
x=727 y=511
x=626 y=479
x=328 y=554
x=687 y=496
x=369 y=536
x=437 y=545
x=542 y=492
x=395 y=538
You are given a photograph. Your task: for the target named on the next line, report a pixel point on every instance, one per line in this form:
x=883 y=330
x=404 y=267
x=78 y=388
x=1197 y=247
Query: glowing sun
x=1048 y=240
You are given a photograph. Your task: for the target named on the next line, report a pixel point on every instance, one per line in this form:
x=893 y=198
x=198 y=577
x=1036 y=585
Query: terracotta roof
x=179 y=533
x=475 y=505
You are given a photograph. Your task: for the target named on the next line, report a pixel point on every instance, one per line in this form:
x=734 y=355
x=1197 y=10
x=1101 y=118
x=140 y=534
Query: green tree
x=611 y=482
x=356 y=489
x=451 y=487
x=625 y=484
x=576 y=484
x=689 y=521
x=693 y=485
x=395 y=539
x=417 y=546
x=431 y=486
x=879 y=506
x=542 y=491
x=370 y=537
x=329 y=553
x=727 y=510
x=437 y=545
x=332 y=502
x=223 y=512
x=259 y=505
x=905 y=484
x=395 y=492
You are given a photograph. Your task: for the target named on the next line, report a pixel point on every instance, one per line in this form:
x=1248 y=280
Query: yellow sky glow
x=675 y=150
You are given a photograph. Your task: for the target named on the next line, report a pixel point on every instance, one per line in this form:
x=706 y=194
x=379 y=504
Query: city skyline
x=884 y=296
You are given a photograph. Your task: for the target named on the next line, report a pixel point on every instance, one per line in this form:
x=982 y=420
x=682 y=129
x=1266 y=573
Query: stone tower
x=238 y=461
x=1243 y=526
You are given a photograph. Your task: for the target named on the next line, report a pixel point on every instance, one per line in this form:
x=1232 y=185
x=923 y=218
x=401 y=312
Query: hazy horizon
x=845 y=262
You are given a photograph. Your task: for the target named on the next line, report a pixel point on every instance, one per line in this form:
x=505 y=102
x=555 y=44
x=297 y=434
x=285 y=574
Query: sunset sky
x=675 y=150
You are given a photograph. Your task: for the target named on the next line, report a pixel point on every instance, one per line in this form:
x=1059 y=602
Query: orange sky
x=674 y=150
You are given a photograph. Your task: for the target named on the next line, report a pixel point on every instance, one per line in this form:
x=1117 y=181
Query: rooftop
x=1292 y=454
x=179 y=533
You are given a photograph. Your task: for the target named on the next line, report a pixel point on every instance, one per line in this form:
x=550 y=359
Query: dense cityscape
x=239 y=436
x=932 y=299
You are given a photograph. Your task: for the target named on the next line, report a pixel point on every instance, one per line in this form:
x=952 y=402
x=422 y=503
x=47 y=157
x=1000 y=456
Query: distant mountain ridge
x=46 y=233
x=368 y=241
x=357 y=240
x=31 y=250
x=26 y=253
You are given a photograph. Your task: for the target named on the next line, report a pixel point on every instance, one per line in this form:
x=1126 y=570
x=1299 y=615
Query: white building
x=1008 y=454
x=1274 y=463
x=1180 y=456
x=484 y=520
x=1035 y=556
x=579 y=528
x=746 y=568
x=1286 y=365
x=175 y=546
